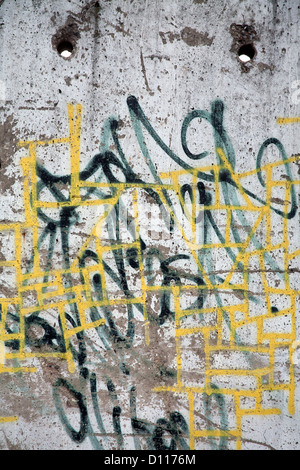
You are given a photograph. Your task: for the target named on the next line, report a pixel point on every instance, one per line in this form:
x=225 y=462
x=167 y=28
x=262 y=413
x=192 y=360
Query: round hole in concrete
x=246 y=52
x=65 y=48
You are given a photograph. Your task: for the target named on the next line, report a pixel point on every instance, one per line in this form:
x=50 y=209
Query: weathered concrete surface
x=117 y=332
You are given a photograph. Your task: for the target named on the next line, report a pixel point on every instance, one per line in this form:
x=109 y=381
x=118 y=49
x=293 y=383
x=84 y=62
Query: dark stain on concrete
x=192 y=37
x=9 y=140
x=169 y=36
x=144 y=73
x=261 y=67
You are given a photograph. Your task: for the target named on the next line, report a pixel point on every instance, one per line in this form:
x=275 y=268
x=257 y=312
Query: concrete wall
x=149 y=233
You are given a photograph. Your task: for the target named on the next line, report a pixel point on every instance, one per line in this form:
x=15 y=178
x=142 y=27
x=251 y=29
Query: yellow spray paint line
x=8 y=419
x=206 y=334
x=81 y=307
x=33 y=212
x=176 y=295
x=74 y=203
x=26 y=164
x=284 y=183
x=262 y=411
x=10 y=337
x=30 y=355
x=119 y=246
x=39 y=286
x=246 y=259
x=271 y=165
x=228 y=227
x=13 y=370
x=285 y=120
x=241 y=372
x=84 y=304
x=292 y=388
x=294 y=254
x=141 y=265
x=58 y=140
x=286 y=238
x=268 y=204
x=123 y=185
x=236 y=347
x=194 y=208
x=74 y=115
x=10 y=227
x=217 y=187
x=3 y=319
x=85 y=326
x=204 y=310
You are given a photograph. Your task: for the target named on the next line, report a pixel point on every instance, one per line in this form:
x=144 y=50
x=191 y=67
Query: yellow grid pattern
x=59 y=297
x=268 y=343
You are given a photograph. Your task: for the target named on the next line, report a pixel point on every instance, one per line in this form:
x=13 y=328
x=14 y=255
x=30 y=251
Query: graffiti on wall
x=184 y=278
